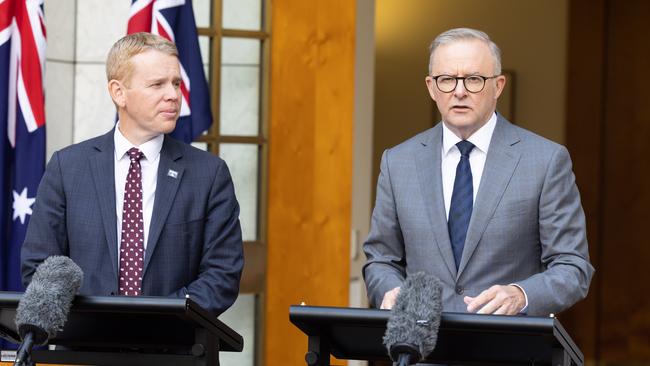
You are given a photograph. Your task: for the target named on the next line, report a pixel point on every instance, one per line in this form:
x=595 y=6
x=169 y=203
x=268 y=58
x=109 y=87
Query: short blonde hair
x=118 y=62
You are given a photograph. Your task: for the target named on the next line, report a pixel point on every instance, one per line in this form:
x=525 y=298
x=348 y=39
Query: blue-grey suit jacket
x=527 y=225
x=194 y=245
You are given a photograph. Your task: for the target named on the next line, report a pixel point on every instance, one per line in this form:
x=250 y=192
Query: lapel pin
x=172 y=173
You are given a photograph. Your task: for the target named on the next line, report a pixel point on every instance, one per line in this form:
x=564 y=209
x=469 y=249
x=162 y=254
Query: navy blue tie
x=462 y=201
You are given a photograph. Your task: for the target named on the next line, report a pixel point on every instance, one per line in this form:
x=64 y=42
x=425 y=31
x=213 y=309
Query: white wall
x=362 y=145
x=80 y=33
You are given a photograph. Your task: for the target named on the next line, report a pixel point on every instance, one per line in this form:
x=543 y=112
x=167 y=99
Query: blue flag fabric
x=174 y=20
x=22 y=129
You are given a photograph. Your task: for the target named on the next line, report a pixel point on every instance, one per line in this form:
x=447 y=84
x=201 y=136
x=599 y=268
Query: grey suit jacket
x=194 y=244
x=527 y=225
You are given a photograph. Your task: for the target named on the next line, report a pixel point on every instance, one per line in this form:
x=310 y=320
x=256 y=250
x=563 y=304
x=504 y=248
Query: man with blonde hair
x=139 y=212
x=489 y=208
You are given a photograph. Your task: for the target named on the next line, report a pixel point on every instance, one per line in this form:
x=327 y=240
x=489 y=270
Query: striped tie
x=462 y=201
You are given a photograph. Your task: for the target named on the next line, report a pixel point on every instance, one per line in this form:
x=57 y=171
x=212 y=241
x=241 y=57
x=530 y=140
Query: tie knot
x=465 y=148
x=135 y=154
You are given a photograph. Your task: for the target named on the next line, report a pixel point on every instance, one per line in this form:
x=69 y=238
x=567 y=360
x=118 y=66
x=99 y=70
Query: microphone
x=43 y=309
x=412 y=328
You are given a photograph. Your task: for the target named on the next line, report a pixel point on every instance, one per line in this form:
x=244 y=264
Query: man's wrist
x=525 y=307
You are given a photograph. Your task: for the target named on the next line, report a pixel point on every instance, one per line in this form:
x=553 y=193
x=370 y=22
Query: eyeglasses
x=473 y=83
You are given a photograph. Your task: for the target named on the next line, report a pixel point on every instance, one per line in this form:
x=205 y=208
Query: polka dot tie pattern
x=132 y=242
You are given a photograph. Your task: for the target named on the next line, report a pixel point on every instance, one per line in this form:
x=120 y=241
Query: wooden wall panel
x=608 y=133
x=584 y=138
x=310 y=166
x=625 y=295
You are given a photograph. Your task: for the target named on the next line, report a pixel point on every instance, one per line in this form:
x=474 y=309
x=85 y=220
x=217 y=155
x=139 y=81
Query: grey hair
x=464 y=34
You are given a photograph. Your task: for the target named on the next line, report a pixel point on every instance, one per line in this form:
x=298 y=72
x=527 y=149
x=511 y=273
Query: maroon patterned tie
x=132 y=243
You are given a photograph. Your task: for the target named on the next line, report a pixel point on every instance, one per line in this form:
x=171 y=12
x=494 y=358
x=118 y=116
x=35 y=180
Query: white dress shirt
x=451 y=156
x=149 y=164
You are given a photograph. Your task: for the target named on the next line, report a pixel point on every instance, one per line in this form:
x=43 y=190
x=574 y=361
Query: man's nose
x=172 y=92
x=460 y=90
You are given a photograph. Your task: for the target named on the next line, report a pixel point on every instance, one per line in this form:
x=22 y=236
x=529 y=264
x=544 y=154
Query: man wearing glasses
x=489 y=208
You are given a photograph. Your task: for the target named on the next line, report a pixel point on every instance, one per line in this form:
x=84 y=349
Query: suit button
x=460 y=290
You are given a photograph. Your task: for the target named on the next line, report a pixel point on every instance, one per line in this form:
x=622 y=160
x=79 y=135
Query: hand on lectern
x=388 y=301
x=500 y=300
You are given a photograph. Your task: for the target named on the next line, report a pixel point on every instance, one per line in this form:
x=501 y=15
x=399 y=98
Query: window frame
x=254 y=275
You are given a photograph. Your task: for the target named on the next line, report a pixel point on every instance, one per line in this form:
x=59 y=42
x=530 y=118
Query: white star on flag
x=22 y=205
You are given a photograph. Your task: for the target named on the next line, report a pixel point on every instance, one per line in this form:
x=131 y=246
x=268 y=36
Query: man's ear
x=500 y=85
x=431 y=84
x=117 y=91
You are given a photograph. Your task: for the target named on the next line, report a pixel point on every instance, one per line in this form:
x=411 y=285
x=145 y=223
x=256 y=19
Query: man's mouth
x=460 y=108
x=168 y=112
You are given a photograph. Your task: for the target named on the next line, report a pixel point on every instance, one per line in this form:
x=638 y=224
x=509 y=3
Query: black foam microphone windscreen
x=412 y=329
x=44 y=307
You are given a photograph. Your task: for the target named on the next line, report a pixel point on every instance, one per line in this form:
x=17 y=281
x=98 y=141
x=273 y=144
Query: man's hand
x=389 y=299
x=507 y=300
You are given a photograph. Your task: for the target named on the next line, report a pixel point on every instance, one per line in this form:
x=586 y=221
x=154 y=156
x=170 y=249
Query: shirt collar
x=150 y=149
x=481 y=138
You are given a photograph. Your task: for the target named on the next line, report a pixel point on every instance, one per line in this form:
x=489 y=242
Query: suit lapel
x=428 y=161
x=170 y=173
x=500 y=164
x=102 y=166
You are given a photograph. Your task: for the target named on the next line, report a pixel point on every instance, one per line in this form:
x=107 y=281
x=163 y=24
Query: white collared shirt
x=149 y=165
x=451 y=156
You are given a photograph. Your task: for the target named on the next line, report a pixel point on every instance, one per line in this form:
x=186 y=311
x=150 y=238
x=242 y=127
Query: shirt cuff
x=525 y=308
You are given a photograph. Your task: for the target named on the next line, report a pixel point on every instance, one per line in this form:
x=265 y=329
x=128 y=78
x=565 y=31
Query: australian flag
x=174 y=20
x=22 y=127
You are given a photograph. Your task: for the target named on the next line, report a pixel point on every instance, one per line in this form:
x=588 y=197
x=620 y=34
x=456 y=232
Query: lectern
x=467 y=339
x=131 y=331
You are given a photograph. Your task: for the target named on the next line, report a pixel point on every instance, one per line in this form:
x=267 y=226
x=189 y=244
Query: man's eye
x=446 y=80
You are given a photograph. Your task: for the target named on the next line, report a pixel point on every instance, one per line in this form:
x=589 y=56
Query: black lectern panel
x=104 y=330
x=352 y=333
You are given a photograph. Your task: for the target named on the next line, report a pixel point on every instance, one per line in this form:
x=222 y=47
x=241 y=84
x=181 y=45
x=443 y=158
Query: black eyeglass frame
x=463 y=78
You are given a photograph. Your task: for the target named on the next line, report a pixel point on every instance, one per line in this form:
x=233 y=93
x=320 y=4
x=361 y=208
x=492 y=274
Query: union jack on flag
x=22 y=127
x=174 y=20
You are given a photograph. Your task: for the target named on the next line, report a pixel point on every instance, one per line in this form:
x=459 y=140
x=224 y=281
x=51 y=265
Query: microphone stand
x=24 y=353
x=404 y=359
x=404 y=353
